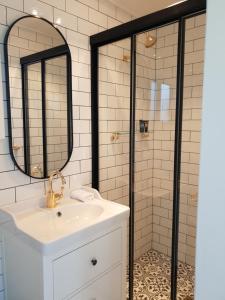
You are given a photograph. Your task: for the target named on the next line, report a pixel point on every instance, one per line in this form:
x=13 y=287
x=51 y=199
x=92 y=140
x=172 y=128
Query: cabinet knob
x=94 y=261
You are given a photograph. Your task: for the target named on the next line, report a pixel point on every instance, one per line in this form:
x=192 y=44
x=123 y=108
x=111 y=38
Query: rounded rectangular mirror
x=39 y=92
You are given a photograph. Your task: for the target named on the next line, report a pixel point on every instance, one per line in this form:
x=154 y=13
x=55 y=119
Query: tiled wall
x=114 y=103
x=56 y=112
x=114 y=112
x=79 y=20
x=145 y=95
x=193 y=87
x=164 y=128
x=154 y=154
x=164 y=137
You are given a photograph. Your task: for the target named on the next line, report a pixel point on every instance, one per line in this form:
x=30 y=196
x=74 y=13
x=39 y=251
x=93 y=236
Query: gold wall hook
x=115 y=136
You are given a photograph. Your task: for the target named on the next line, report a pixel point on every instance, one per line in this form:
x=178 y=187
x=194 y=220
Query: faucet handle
x=63 y=179
x=58 y=196
x=51 y=196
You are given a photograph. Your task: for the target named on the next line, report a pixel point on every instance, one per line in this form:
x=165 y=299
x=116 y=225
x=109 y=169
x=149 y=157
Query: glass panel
x=154 y=155
x=35 y=119
x=114 y=120
x=56 y=112
x=192 y=109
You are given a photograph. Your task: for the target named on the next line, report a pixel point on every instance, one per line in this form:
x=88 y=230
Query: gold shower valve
x=115 y=136
x=16 y=147
x=126 y=57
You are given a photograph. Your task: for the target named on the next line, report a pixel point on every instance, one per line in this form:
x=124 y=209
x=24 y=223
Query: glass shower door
x=114 y=122
x=152 y=92
x=156 y=80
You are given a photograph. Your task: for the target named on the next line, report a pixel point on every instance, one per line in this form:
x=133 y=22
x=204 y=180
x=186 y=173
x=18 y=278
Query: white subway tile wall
x=164 y=127
x=154 y=154
x=164 y=139
x=77 y=19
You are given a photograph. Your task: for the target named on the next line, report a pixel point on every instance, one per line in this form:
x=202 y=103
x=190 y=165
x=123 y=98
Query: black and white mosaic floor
x=152 y=278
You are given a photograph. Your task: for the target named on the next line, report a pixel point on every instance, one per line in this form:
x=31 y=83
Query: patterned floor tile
x=152 y=278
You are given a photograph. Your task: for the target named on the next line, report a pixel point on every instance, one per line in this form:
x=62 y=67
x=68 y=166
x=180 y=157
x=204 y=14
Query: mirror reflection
x=39 y=92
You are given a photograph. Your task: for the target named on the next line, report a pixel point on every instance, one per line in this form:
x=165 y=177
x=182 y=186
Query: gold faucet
x=51 y=197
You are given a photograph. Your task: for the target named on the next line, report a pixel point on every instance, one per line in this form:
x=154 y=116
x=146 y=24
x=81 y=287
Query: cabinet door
x=83 y=265
x=108 y=287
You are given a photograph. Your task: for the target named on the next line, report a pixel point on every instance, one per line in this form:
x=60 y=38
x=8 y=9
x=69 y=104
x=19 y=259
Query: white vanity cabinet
x=95 y=269
x=76 y=251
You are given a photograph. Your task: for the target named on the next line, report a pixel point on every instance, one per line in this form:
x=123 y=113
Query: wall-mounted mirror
x=39 y=92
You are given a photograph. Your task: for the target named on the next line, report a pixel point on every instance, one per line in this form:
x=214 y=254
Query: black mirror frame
x=69 y=97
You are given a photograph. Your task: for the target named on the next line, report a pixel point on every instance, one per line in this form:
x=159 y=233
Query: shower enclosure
x=146 y=119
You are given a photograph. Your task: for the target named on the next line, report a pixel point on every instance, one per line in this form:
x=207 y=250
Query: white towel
x=82 y=195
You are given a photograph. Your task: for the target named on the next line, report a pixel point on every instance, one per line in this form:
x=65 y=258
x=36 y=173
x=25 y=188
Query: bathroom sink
x=45 y=223
x=49 y=229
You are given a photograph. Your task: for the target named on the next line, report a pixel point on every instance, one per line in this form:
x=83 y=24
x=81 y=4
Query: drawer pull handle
x=94 y=261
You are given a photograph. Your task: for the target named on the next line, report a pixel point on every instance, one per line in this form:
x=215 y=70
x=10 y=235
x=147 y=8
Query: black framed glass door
x=153 y=150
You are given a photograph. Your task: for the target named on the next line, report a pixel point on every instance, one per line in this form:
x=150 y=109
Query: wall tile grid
x=78 y=20
x=156 y=96
x=114 y=117
x=164 y=138
x=56 y=112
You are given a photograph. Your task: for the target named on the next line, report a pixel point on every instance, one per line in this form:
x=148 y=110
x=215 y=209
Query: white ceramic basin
x=45 y=224
x=50 y=229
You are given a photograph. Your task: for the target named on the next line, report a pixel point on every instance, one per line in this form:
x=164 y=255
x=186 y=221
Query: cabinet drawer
x=107 y=287
x=73 y=270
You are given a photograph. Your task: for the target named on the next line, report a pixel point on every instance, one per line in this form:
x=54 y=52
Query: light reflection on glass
x=153 y=91
x=165 y=102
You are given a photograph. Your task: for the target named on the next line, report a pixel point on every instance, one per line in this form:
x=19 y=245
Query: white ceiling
x=139 y=8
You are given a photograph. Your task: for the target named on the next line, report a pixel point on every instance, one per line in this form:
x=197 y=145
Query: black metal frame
x=132 y=161
x=177 y=156
x=175 y=14
x=44 y=129
x=26 y=131
x=43 y=55
x=25 y=61
x=94 y=116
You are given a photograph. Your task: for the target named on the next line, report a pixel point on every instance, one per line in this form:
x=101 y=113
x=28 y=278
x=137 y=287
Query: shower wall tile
x=114 y=102
x=164 y=140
